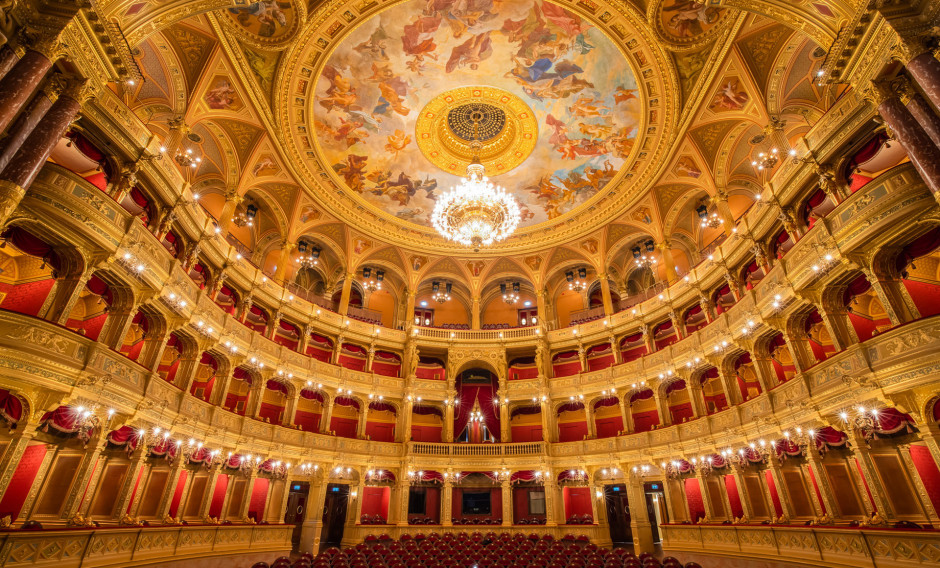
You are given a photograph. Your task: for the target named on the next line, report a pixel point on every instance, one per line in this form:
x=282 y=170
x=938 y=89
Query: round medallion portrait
x=266 y=23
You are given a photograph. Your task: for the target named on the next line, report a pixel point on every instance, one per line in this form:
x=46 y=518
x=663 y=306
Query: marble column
x=25 y=123
x=589 y=418
x=363 y=420
x=916 y=142
x=921 y=493
x=866 y=466
x=19 y=84
x=16 y=178
x=925 y=69
x=86 y=469
x=707 y=503
x=8 y=59
x=662 y=408
x=925 y=116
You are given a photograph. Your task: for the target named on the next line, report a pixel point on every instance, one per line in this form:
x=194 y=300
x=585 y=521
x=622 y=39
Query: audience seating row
x=464 y=550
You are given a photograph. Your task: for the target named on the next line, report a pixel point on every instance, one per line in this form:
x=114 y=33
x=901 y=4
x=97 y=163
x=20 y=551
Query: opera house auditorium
x=469 y=283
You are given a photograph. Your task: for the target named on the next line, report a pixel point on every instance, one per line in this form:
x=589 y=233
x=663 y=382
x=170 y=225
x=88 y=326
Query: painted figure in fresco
x=341 y=93
x=588 y=106
x=729 y=97
x=622 y=94
x=470 y=53
x=417 y=40
x=374 y=48
x=221 y=96
x=352 y=171
x=269 y=15
x=690 y=17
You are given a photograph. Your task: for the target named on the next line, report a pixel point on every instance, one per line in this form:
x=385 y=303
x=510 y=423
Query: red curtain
x=468 y=395
x=27 y=243
x=11 y=408
x=85 y=146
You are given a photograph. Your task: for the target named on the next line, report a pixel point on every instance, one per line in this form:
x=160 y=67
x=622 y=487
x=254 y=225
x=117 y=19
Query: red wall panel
x=774 y=496
x=693 y=494
x=26 y=298
x=344 y=427
x=178 y=493
x=731 y=487
x=526 y=433
x=218 y=496
x=22 y=480
x=928 y=472
x=608 y=427
x=375 y=501
x=380 y=431
x=577 y=501
x=426 y=433
x=572 y=431
x=926 y=296
x=259 y=497
x=308 y=421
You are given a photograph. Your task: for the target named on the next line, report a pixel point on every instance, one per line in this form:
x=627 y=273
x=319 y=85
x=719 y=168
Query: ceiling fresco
x=642 y=112
x=574 y=79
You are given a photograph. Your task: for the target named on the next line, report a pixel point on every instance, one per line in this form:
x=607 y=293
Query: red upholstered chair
x=260 y=565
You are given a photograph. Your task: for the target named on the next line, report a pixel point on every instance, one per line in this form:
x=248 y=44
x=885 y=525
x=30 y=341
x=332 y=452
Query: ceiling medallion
x=508 y=129
x=477 y=125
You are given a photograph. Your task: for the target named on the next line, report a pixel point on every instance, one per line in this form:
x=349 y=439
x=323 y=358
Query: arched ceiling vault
x=241 y=82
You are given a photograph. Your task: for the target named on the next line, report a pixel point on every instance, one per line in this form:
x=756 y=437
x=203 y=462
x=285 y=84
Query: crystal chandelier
x=440 y=296
x=246 y=218
x=644 y=259
x=769 y=156
x=476 y=212
x=309 y=256
x=372 y=284
x=711 y=221
x=579 y=283
x=510 y=296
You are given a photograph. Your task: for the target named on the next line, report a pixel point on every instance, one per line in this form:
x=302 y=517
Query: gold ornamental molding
x=507 y=133
x=624 y=25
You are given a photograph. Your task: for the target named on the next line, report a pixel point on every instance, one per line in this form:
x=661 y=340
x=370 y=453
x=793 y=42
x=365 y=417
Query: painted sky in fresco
x=578 y=84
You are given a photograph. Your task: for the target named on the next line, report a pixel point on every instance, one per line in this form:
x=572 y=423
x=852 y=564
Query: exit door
x=334 y=514
x=655 y=507
x=618 y=514
x=296 y=509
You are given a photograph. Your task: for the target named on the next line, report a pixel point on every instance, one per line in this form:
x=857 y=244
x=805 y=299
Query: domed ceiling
x=380 y=79
x=332 y=118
